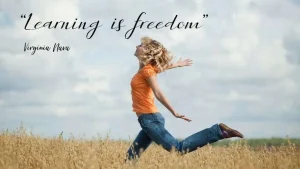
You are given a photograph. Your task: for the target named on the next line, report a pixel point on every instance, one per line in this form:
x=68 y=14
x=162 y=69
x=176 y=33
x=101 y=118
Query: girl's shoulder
x=149 y=70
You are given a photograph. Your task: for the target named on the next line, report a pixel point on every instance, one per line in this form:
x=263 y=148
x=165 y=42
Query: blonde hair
x=155 y=54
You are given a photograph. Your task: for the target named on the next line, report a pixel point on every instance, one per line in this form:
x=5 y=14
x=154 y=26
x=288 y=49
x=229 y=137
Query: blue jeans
x=153 y=129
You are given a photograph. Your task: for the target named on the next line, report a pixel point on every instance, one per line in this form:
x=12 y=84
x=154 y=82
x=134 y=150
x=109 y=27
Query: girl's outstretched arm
x=181 y=63
x=152 y=81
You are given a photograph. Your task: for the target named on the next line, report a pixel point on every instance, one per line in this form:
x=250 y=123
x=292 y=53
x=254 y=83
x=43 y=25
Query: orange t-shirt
x=142 y=94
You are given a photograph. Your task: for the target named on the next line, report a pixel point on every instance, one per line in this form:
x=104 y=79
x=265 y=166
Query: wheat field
x=20 y=150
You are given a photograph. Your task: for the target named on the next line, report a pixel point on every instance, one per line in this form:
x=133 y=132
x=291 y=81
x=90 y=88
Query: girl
x=153 y=59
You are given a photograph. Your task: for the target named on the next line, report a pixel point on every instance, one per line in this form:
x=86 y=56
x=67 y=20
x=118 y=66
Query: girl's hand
x=182 y=117
x=186 y=62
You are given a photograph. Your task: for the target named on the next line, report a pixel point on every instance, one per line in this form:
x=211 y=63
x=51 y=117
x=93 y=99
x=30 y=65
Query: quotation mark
x=23 y=16
x=205 y=15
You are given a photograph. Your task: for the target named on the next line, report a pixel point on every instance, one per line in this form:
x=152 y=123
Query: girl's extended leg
x=153 y=125
x=140 y=144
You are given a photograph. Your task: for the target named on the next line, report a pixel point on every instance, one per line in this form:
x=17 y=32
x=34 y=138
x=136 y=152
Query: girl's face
x=139 y=50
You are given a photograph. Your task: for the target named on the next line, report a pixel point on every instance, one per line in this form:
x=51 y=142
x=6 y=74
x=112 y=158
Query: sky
x=245 y=72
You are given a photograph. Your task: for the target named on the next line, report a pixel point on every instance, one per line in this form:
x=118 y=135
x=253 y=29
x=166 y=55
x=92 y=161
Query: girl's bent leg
x=202 y=138
x=162 y=137
x=140 y=144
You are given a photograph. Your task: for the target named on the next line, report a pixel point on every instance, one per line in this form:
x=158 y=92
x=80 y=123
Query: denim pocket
x=147 y=122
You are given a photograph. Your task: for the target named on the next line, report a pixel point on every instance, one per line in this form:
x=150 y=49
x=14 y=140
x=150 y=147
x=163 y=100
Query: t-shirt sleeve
x=148 y=72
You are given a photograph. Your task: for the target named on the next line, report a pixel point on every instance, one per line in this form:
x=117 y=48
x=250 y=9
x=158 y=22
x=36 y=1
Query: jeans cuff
x=219 y=130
